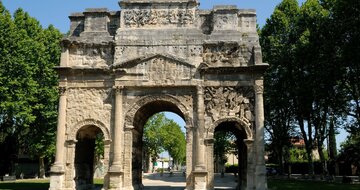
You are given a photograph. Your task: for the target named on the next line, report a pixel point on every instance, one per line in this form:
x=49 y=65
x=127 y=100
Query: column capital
x=249 y=142
x=118 y=89
x=71 y=142
x=62 y=90
x=259 y=86
x=129 y=128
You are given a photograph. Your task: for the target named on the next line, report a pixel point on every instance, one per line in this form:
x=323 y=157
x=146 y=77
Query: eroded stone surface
x=89 y=103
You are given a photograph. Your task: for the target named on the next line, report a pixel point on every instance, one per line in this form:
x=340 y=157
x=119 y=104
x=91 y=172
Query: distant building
x=298 y=142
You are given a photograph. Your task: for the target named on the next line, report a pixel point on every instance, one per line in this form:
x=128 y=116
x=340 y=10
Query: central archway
x=135 y=120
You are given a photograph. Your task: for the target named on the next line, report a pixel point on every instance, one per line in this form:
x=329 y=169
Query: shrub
x=231 y=168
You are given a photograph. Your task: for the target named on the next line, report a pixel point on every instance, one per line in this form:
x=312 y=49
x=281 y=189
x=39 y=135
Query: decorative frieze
x=134 y=18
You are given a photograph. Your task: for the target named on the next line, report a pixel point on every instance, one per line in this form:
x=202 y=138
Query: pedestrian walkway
x=176 y=181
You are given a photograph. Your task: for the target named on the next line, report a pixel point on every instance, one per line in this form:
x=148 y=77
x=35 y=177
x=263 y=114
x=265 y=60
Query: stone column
x=61 y=129
x=58 y=169
x=189 y=156
x=118 y=125
x=199 y=132
x=116 y=172
x=200 y=172
x=260 y=170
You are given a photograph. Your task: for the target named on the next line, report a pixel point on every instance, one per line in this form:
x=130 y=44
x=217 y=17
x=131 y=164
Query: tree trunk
x=281 y=160
x=308 y=143
x=41 y=167
x=310 y=161
x=323 y=161
x=332 y=147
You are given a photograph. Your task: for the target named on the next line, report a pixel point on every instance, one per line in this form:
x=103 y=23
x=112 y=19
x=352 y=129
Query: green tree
x=160 y=134
x=28 y=100
x=304 y=85
x=151 y=138
x=173 y=140
x=277 y=40
x=350 y=150
x=346 y=18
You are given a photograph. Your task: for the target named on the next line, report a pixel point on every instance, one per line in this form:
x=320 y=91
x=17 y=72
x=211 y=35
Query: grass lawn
x=273 y=185
x=33 y=184
x=39 y=184
x=308 y=185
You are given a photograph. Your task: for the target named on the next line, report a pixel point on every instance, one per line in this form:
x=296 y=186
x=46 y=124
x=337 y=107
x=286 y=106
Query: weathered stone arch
x=243 y=125
x=87 y=122
x=130 y=114
x=205 y=66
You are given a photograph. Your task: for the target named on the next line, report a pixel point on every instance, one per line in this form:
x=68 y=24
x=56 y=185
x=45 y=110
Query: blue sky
x=56 y=12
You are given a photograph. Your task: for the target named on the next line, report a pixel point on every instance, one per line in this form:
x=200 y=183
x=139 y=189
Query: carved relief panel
x=226 y=55
x=225 y=21
x=224 y=102
x=161 y=70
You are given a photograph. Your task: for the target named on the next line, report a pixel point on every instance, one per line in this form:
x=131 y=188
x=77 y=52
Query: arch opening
x=230 y=153
x=141 y=160
x=89 y=157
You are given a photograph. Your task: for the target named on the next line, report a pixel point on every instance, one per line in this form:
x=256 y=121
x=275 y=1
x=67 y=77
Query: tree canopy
x=28 y=92
x=311 y=87
x=161 y=133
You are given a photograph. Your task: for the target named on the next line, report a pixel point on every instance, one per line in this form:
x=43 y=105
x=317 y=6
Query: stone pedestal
x=57 y=177
x=200 y=180
x=250 y=173
x=114 y=179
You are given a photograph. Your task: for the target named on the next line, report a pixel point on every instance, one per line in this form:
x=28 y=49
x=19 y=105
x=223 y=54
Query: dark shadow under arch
x=85 y=156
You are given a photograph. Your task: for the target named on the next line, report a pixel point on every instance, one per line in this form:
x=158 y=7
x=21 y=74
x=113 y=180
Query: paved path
x=177 y=181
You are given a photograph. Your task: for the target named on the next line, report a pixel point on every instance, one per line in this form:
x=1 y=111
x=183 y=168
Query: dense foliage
x=28 y=93
x=312 y=84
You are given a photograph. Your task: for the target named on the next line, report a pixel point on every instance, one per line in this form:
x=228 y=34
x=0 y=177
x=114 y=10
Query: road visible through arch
x=176 y=181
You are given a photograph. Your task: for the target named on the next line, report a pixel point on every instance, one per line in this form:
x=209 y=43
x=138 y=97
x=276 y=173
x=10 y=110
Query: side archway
x=81 y=144
x=242 y=130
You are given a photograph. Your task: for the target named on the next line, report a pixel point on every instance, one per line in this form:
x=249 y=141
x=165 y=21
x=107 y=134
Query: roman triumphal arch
x=118 y=68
